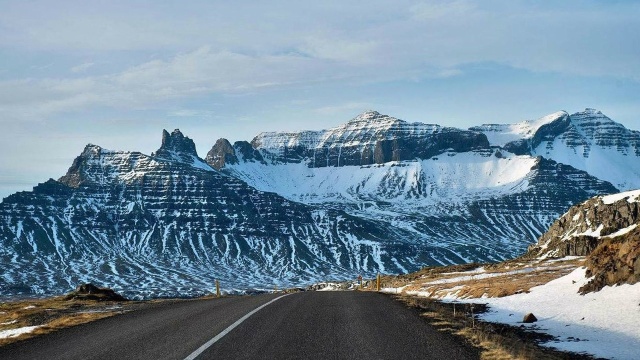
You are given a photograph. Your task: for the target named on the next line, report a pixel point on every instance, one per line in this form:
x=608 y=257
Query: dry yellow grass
x=495 y=280
x=51 y=314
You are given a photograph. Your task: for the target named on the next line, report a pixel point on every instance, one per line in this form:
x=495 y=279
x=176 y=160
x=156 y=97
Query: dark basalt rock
x=244 y=150
x=74 y=176
x=177 y=143
x=221 y=153
x=92 y=292
x=614 y=262
x=529 y=318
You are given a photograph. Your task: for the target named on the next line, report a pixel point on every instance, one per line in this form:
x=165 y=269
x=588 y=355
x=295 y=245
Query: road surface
x=309 y=325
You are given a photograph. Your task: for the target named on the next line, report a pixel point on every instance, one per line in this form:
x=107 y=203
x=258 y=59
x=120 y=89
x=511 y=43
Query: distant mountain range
x=374 y=194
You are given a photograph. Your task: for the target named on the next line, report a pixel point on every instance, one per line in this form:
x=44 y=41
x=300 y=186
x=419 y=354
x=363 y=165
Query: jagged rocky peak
x=176 y=143
x=221 y=153
x=75 y=175
x=178 y=148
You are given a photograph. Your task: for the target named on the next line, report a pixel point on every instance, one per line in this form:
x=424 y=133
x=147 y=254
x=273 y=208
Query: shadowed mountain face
x=375 y=194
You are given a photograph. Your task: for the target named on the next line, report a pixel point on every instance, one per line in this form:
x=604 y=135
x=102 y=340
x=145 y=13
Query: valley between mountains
x=376 y=194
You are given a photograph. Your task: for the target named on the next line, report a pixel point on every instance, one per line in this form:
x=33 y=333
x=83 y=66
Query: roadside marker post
x=217 y=288
x=378 y=283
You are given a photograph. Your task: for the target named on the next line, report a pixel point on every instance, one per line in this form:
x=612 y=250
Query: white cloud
x=82 y=67
x=256 y=47
x=339 y=49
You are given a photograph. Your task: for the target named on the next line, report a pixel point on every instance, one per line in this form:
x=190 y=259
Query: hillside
x=587 y=262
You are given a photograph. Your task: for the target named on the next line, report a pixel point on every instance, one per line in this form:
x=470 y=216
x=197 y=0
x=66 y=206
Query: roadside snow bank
x=604 y=324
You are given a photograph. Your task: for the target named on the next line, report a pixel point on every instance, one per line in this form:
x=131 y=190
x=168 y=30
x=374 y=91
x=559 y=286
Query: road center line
x=208 y=344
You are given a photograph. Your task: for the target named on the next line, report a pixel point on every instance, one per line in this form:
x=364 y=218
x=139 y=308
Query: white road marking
x=208 y=344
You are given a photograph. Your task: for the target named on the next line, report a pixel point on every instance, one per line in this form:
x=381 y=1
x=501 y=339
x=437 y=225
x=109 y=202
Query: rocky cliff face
x=604 y=229
x=222 y=154
x=578 y=231
x=370 y=138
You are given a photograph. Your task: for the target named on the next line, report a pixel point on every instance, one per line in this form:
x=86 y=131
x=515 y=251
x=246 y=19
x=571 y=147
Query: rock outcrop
x=615 y=261
x=221 y=153
x=91 y=292
x=578 y=232
x=604 y=229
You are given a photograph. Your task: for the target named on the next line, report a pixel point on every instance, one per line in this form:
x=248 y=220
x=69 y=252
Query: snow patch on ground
x=605 y=322
x=631 y=196
x=4 y=334
x=624 y=231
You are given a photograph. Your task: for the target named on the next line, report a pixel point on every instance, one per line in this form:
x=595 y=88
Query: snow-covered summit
x=363 y=129
x=590 y=141
x=369 y=138
x=501 y=134
x=587 y=140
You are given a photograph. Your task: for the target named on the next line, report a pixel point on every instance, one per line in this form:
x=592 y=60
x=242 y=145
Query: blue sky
x=115 y=73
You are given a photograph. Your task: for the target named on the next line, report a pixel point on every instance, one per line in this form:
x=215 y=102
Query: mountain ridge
x=374 y=194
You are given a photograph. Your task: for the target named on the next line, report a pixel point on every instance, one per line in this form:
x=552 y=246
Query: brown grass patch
x=496 y=280
x=52 y=314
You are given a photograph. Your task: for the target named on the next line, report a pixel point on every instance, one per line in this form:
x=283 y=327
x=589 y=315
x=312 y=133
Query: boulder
x=529 y=318
x=91 y=292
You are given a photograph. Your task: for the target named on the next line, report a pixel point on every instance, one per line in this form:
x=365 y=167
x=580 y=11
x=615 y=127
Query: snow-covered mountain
x=375 y=194
x=449 y=187
x=587 y=140
x=169 y=224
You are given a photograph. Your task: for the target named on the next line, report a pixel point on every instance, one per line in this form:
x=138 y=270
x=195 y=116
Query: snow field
x=603 y=324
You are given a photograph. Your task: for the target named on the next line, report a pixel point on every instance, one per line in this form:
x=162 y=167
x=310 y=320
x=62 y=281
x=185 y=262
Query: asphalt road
x=311 y=325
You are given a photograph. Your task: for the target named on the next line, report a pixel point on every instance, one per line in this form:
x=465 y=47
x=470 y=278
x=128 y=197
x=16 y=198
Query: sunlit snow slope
x=587 y=140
